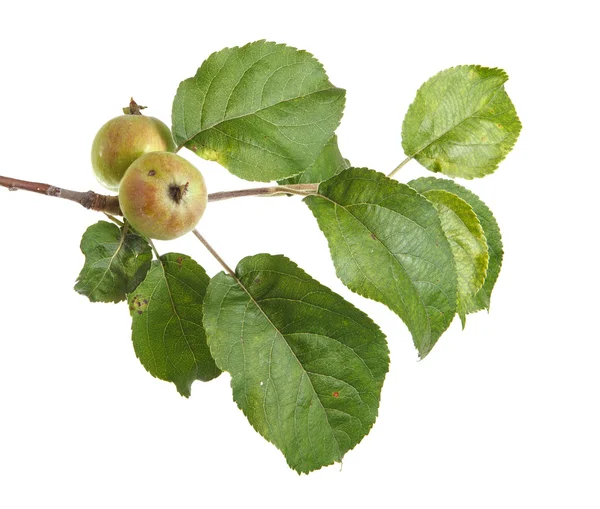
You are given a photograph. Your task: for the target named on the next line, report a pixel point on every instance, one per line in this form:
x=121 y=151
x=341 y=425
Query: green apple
x=162 y=195
x=122 y=140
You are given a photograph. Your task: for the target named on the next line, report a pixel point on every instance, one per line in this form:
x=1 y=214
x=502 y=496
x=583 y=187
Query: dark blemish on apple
x=145 y=301
x=151 y=173
x=140 y=311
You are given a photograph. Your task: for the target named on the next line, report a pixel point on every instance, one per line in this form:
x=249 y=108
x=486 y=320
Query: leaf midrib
x=335 y=204
x=428 y=144
x=112 y=259
x=261 y=109
x=179 y=319
x=304 y=371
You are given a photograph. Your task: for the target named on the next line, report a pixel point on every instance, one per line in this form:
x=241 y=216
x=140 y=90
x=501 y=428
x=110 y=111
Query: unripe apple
x=122 y=140
x=162 y=195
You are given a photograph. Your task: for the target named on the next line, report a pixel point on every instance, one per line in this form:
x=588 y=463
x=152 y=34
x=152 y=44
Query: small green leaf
x=167 y=332
x=329 y=163
x=116 y=261
x=387 y=244
x=264 y=111
x=462 y=123
x=491 y=231
x=467 y=240
x=306 y=366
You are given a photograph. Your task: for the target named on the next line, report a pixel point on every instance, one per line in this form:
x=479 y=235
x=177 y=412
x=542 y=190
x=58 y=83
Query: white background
x=502 y=414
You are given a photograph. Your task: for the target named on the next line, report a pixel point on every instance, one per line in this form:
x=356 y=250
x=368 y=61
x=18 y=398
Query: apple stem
x=133 y=108
x=215 y=254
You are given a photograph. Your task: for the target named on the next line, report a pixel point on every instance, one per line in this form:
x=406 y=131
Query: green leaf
x=306 y=366
x=467 y=240
x=264 y=111
x=462 y=123
x=387 y=244
x=491 y=231
x=116 y=261
x=329 y=163
x=167 y=332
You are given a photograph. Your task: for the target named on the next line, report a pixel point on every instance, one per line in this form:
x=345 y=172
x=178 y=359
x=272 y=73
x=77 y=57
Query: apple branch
x=90 y=200
x=109 y=204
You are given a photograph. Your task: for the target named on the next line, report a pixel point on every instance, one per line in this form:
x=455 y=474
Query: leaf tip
x=184 y=389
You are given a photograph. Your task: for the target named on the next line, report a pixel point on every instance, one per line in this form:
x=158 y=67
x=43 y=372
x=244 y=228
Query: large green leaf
x=462 y=123
x=116 y=261
x=329 y=163
x=490 y=229
x=306 y=366
x=167 y=332
x=467 y=240
x=264 y=111
x=387 y=244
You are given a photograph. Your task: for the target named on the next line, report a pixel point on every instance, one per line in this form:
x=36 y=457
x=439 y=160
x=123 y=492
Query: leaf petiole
x=114 y=220
x=214 y=253
x=399 y=167
x=156 y=253
x=299 y=189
